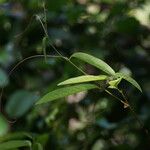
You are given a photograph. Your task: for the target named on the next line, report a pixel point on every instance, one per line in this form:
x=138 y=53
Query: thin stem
x=25 y=59
x=16 y=66
x=126 y=104
x=38 y=18
x=76 y=66
x=30 y=22
x=45 y=16
x=67 y=59
x=46 y=33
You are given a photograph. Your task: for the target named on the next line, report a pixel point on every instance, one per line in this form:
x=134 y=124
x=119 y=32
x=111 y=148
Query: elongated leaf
x=129 y=79
x=95 y=62
x=65 y=91
x=15 y=144
x=15 y=136
x=84 y=78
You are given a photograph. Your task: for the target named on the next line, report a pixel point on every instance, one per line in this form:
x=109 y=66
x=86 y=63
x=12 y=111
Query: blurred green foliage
x=116 y=31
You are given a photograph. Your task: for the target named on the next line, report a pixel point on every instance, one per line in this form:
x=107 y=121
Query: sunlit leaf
x=15 y=144
x=95 y=62
x=129 y=79
x=65 y=91
x=84 y=78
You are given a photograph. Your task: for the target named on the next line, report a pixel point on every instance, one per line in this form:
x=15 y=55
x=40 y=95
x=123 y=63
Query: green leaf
x=15 y=144
x=65 y=91
x=37 y=146
x=84 y=78
x=4 y=127
x=20 y=102
x=95 y=62
x=113 y=84
x=129 y=79
x=15 y=136
x=3 y=78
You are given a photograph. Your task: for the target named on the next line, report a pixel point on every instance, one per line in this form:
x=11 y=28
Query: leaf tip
x=59 y=84
x=140 y=89
x=38 y=103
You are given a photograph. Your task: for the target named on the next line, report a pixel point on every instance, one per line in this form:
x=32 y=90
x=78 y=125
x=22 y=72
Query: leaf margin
x=94 y=61
x=129 y=79
x=83 y=79
x=64 y=91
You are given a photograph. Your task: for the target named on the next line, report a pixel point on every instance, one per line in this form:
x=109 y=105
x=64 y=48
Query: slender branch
x=28 y=58
x=126 y=104
x=15 y=67
x=30 y=22
x=45 y=16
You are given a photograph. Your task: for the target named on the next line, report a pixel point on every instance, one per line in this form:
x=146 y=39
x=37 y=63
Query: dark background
x=117 y=31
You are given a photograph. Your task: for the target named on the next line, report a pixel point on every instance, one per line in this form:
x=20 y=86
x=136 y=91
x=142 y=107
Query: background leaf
x=65 y=91
x=3 y=78
x=16 y=136
x=95 y=62
x=84 y=78
x=37 y=146
x=20 y=102
x=3 y=126
x=15 y=144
